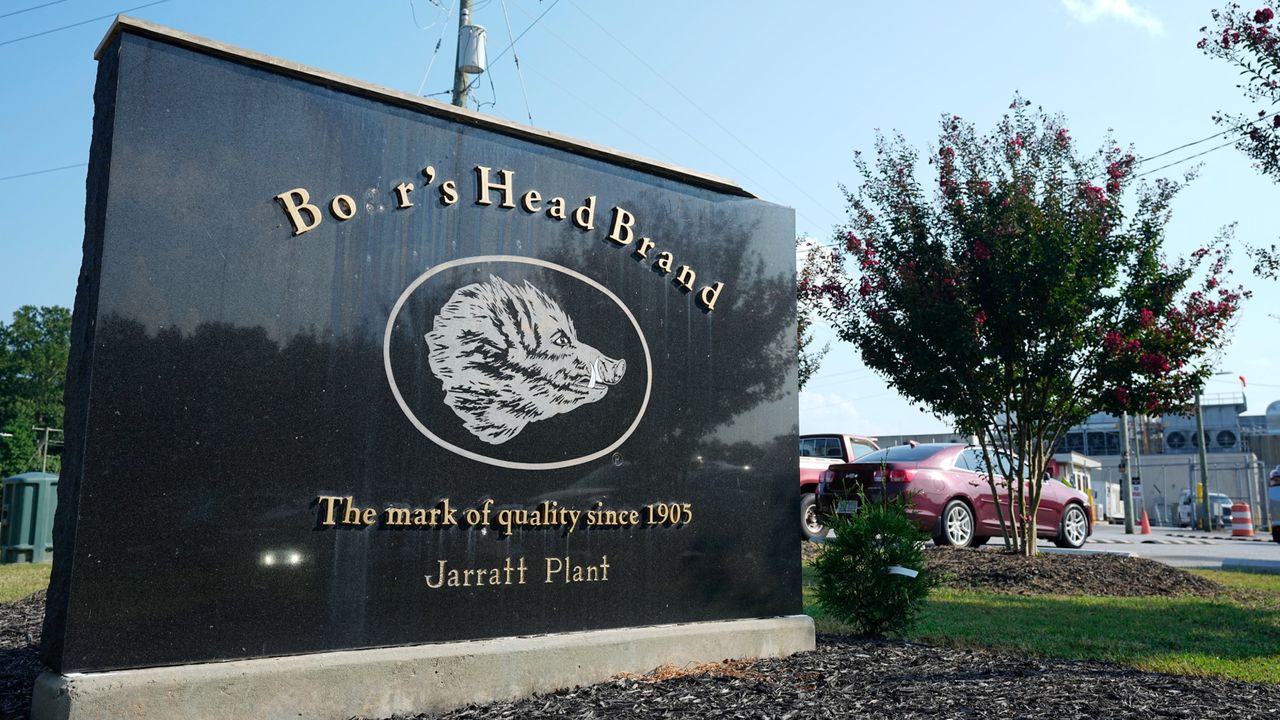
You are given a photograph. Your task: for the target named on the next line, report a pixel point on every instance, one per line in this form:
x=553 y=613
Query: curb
x=1270 y=567
x=1070 y=551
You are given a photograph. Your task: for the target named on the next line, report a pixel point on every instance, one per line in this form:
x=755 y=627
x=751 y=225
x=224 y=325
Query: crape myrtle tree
x=1021 y=293
x=818 y=277
x=1249 y=40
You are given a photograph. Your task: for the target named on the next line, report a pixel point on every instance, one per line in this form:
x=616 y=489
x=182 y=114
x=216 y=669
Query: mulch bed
x=1102 y=575
x=19 y=659
x=850 y=677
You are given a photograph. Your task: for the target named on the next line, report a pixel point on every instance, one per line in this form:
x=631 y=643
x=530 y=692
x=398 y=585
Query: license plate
x=847 y=507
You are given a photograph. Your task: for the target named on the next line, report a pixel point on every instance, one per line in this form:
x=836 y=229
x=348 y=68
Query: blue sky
x=774 y=95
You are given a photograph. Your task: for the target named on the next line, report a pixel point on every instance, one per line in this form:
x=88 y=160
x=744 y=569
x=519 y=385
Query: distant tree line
x=33 y=368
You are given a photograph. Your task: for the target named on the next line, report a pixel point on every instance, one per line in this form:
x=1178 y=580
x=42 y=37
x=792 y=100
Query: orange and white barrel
x=1241 y=520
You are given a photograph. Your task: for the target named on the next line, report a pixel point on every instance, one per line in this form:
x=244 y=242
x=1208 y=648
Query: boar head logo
x=508 y=356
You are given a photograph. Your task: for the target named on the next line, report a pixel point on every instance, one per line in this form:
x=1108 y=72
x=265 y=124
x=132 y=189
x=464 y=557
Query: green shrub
x=854 y=583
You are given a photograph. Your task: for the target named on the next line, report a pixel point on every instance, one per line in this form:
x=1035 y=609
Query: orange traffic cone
x=1146 y=524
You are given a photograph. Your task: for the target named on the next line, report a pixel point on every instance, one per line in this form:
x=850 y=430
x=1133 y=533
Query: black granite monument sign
x=352 y=369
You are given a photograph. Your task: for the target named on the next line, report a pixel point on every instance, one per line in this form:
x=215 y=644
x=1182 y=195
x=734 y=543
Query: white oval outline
x=395 y=390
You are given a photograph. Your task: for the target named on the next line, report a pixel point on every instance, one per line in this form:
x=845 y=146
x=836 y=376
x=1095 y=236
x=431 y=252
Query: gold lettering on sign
x=620 y=229
x=483 y=186
x=555 y=210
x=402 y=194
x=294 y=208
x=350 y=514
x=708 y=296
x=685 y=277
x=508 y=573
x=623 y=230
x=566 y=571
x=343 y=207
x=448 y=193
x=585 y=216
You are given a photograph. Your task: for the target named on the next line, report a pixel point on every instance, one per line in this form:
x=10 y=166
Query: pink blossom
x=981 y=317
x=1146 y=318
x=1154 y=363
x=1121 y=395
x=1112 y=341
x=981 y=251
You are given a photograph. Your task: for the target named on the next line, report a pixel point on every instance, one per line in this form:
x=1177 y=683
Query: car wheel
x=1073 y=528
x=957 y=525
x=811 y=526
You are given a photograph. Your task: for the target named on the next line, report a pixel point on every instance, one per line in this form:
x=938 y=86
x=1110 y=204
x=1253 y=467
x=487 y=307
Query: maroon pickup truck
x=817 y=453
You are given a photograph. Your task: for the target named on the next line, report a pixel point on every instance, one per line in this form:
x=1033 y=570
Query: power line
x=475 y=81
x=1241 y=134
x=649 y=105
x=34 y=7
x=700 y=109
x=41 y=172
x=1232 y=141
x=413 y=10
x=447 y=14
x=522 y=32
x=1207 y=139
x=82 y=22
x=515 y=56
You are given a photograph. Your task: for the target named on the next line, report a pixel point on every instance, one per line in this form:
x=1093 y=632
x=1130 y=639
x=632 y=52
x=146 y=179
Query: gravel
x=853 y=677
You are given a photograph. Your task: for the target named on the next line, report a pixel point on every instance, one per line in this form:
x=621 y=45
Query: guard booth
x=26 y=517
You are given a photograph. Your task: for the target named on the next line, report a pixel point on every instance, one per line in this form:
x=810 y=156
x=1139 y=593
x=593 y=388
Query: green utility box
x=26 y=517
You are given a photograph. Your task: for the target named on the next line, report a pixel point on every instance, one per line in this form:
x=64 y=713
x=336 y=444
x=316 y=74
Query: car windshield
x=904 y=453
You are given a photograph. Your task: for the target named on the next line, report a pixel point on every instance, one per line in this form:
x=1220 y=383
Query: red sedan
x=950 y=496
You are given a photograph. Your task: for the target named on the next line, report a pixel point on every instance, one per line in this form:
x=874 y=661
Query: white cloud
x=829 y=412
x=1087 y=11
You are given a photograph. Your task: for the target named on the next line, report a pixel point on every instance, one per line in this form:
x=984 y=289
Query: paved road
x=1185 y=548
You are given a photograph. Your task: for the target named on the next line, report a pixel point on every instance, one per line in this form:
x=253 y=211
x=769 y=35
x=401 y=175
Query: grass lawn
x=1235 y=636
x=21 y=579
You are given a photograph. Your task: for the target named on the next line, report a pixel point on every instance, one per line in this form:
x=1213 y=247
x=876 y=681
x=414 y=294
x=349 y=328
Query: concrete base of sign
x=383 y=682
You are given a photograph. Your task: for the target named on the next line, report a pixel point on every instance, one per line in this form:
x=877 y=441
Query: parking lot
x=1186 y=548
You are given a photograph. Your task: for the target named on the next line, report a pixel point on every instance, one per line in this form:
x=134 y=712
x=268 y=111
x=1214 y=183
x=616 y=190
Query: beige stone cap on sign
x=407 y=680
x=124 y=23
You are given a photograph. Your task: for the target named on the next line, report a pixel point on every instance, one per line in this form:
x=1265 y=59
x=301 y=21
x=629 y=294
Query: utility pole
x=1263 y=500
x=44 y=446
x=460 y=81
x=1126 y=486
x=1205 y=516
x=1139 y=434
